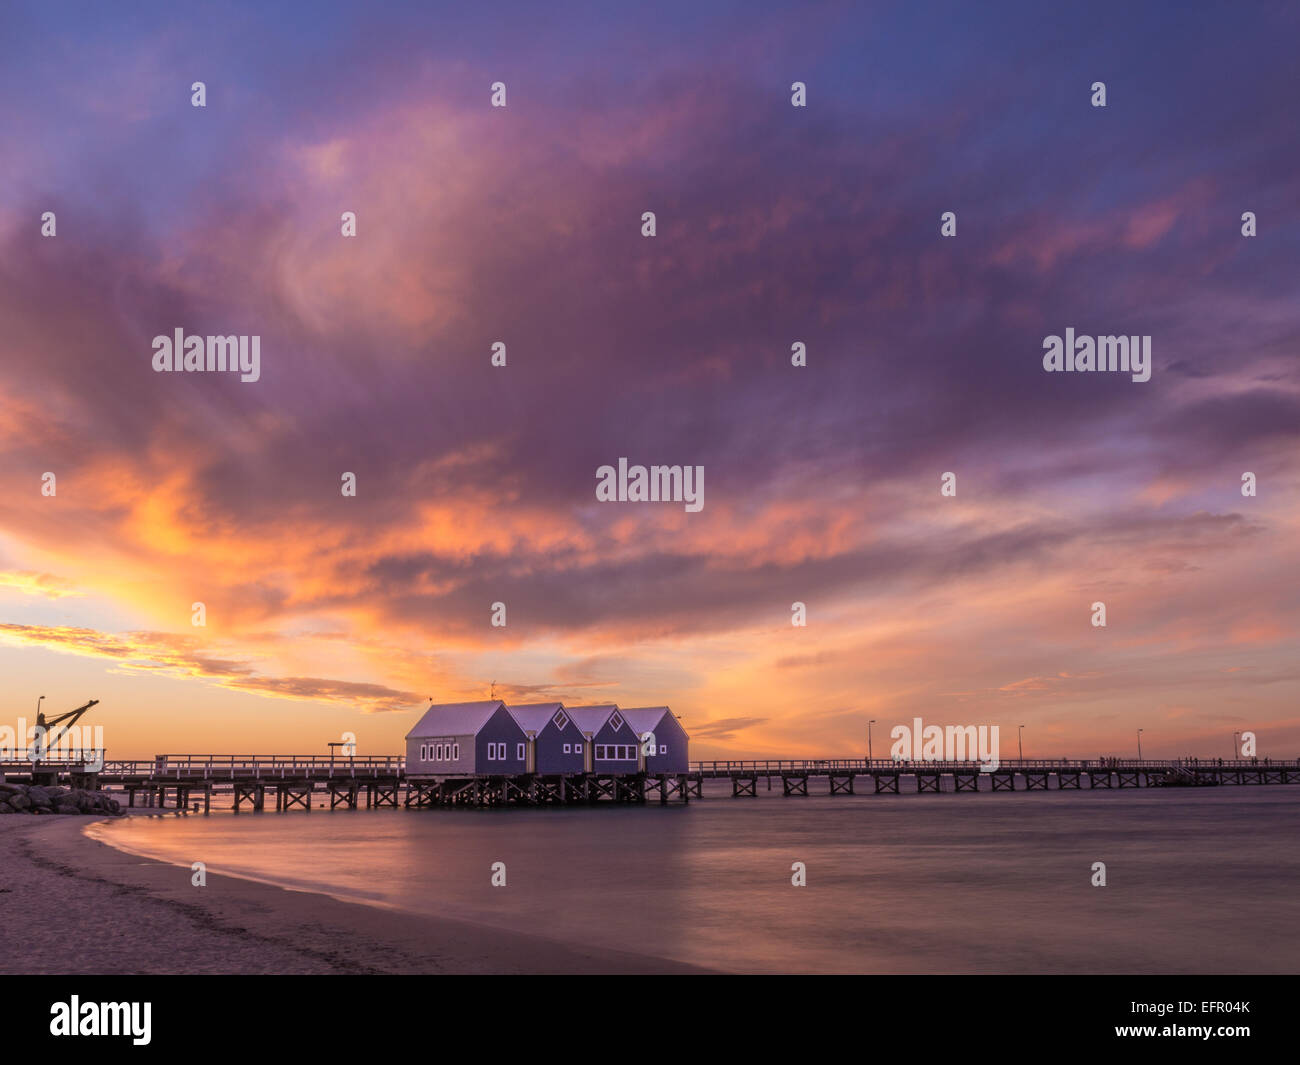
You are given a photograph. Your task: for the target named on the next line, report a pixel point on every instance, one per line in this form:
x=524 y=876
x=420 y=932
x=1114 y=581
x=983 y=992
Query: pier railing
x=776 y=766
x=232 y=767
x=256 y=766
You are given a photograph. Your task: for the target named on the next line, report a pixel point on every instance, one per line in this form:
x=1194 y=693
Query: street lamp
x=869 y=724
x=1235 y=745
x=1020 y=742
x=1139 y=745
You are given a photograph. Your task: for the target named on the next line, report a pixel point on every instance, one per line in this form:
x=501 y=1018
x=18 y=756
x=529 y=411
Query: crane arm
x=71 y=717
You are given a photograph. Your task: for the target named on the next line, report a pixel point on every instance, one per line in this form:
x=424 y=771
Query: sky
x=775 y=224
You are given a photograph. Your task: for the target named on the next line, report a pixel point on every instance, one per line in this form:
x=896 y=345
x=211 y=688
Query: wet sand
x=75 y=905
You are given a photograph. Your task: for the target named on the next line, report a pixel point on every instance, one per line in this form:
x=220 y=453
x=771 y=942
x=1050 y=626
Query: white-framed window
x=455 y=752
x=492 y=752
x=424 y=757
x=437 y=751
x=600 y=751
x=663 y=748
x=616 y=722
x=568 y=748
x=561 y=719
x=520 y=749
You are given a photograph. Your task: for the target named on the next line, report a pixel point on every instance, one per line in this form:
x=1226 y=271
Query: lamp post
x=1236 y=746
x=870 y=756
x=1139 y=745
x=1020 y=741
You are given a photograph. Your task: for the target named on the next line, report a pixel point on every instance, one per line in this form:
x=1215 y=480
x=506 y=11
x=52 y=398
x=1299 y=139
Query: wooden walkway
x=293 y=781
x=1032 y=774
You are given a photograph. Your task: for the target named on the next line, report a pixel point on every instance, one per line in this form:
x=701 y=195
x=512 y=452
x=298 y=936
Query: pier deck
x=381 y=781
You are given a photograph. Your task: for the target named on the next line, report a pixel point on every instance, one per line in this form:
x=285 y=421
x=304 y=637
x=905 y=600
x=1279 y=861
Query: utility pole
x=869 y=724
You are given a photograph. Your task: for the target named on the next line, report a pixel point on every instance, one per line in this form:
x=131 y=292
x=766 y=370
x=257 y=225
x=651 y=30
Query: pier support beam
x=842 y=783
x=794 y=783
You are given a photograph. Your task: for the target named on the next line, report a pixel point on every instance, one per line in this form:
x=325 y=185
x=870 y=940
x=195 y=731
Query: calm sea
x=1204 y=880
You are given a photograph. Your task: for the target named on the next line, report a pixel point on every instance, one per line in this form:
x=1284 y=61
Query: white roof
x=533 y=717
x=645 y=718
x=591 y=718
x=455 y=719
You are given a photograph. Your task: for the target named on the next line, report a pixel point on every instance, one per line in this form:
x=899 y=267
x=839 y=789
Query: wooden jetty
x=379 y=782
x=884 y=774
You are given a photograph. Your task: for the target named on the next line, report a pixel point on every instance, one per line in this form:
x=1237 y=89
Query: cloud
x=725 y=728
x=166 y=653
x=42 y=584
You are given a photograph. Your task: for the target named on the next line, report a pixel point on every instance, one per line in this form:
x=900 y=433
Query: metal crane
x=43 y=725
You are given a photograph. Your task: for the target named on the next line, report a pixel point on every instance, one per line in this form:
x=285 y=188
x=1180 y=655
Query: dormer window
x=616 y=722
x=561 y=719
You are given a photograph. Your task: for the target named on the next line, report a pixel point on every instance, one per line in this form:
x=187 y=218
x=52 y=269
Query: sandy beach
x=75 y=905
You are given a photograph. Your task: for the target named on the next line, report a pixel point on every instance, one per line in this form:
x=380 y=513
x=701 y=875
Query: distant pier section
x=288 y=782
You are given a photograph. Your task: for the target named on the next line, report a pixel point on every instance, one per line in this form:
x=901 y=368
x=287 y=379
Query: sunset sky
x=776 y=224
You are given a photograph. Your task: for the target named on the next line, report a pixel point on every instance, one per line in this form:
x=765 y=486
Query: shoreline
x=124 y=913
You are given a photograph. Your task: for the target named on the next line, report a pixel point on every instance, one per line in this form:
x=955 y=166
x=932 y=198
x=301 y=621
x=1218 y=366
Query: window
x=568 y=748
x=455 y=752
x=561 y=719
x=600 y=751
x=663 y=748
x=438 y=752
x=423 y=756
x=616 y=722
x=492 y=752
x=520 y=754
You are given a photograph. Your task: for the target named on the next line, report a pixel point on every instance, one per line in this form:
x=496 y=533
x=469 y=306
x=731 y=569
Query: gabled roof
x=533 y=717
x=591 y=718
x=455 y=719
x=647 y=718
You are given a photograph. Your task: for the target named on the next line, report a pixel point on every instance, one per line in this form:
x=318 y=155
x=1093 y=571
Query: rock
x=20 y=802
x=10 y=788
x=66 y=808
x=5 y=808
x=38 y=794
x=55 y=793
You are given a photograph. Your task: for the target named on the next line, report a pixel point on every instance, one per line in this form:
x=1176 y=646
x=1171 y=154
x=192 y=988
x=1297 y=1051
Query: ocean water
x=1198 y=880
